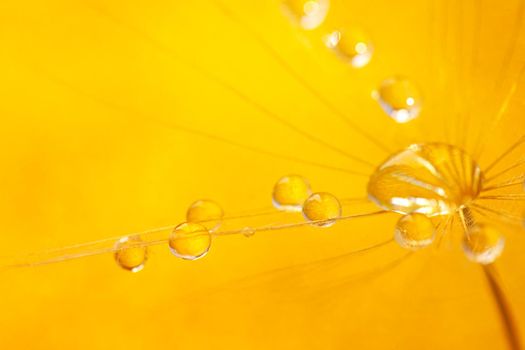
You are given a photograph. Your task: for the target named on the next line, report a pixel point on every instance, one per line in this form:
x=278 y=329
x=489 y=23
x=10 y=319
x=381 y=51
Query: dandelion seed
x=431 y=179
x=424 y=183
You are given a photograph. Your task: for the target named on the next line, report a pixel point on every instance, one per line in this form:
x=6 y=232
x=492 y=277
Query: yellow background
x=90 y=91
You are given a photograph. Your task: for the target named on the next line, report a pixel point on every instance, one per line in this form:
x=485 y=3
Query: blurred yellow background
x=91 y=91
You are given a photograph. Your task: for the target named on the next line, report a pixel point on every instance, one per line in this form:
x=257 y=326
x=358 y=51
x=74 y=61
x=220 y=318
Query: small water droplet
x=248 y=231
x=190 y=241
x=351 y=46
x=414 y=231
x=130 y=253
x=206 y=212
x=483 y=244
x=324 y=207
x=290 y=192
x=399 y=98
x=308 y=14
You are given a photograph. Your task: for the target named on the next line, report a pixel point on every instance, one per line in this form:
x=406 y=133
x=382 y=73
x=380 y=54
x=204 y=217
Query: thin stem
x=149 y=238
x=503 y=305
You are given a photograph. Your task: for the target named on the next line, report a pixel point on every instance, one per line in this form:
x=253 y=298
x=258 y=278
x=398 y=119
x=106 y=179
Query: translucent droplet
x=131 y=253
x=322 y=207
x=483 y=244
x=206 y=212
x=248 y=231
x=308 y=14
x=190 y=241
x=290 y=192
x=351 y=46
x=399 y=98
x=414 y=231
x=431 y=179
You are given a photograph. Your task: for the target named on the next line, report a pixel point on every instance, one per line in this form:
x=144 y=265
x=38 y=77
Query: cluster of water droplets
x=293 y=193
x=421 y=182
x=433 y=182
x=398 y=96
x=191 y=240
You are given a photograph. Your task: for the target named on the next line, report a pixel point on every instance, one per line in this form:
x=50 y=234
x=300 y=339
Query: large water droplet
x=399 y=98
x=431 y=179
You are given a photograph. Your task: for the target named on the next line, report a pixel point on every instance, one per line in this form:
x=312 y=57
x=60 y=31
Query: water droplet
x=308 y=14
x=206 y=212
x=483 y=244
x=430 y=179
x=248 y=231
x=399 y=98
x=322 y=206
x=190 y=241
x=414 y=231
x=131 y=254
x=351 y=46
x=290 y=192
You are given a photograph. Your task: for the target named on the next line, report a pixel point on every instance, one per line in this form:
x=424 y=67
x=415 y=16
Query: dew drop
x=190 y=241
x=353 y=47
x=206 y=212
x=130 y=253
x=399 y=98
x=414 y=231
x=290 y=192
x=431 y=179
x=322 y=206
x=248 y=231
x=308 y=14
x=483 y=244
